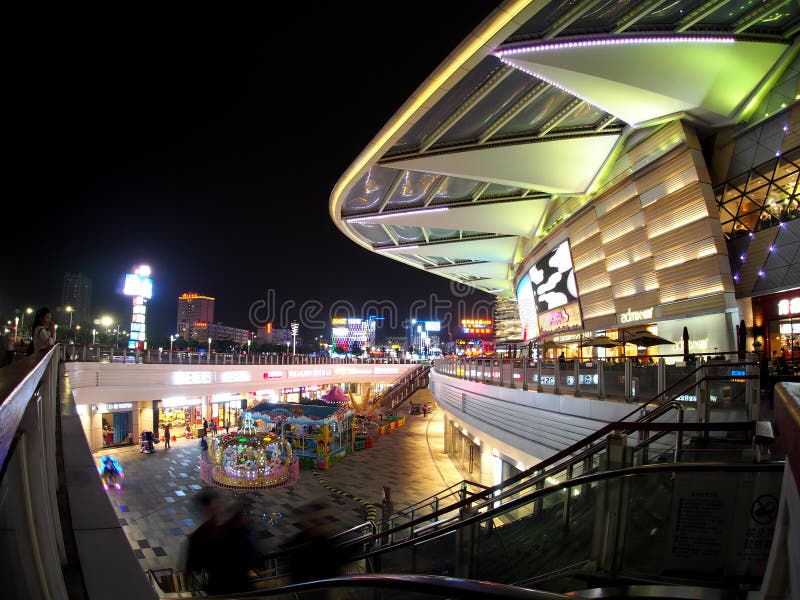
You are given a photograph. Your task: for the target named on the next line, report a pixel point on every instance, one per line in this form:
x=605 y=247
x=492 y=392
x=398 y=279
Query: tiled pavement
x=156 y=508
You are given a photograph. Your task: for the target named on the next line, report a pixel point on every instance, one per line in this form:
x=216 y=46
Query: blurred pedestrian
x=227 y=426
x=213 y=428
x=205 y=427
x=6 y=348
x=203 y=446
x=201 y=564
x=312 y=553
x=166 y=436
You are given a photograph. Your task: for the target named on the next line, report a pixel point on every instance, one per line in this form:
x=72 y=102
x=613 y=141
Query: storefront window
x=117 y=429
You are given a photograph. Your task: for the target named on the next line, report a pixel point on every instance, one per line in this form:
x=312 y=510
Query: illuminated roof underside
x=471 y=167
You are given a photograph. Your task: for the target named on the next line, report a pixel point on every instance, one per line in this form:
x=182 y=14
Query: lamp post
x=16 y=328
x=171 y=339
x=295 y=327
x=69 y=310
x=248 y=346
x=94 y=335
x=209 y=345
x=22 y=320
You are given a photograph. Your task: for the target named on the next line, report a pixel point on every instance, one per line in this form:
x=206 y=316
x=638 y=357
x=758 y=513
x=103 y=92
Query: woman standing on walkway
x=44 y=330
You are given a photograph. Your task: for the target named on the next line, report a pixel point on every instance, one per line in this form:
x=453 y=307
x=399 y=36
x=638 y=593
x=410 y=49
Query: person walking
x=213 y=428
x=205 y=427
x=227 y=426
x=203 y=447
x=166 y=436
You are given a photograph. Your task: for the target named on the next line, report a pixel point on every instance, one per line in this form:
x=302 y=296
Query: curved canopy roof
x=532 y=107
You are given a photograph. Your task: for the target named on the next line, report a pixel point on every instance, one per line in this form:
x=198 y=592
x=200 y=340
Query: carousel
x=249 y=459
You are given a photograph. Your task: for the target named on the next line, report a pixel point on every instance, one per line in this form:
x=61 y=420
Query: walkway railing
x=111 y=354
x=722 y=383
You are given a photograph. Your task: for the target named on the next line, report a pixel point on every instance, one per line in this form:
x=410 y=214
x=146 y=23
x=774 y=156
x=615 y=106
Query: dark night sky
x=205 y=141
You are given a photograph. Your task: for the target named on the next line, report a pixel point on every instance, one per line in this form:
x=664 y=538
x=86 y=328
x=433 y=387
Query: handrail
x=492 y=510
x=400 y=384
x=491 y=496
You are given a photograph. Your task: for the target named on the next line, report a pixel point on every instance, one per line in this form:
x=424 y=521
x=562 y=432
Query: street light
x=172 y=338
x=248 y=346
x=94 y=335
x=22 y=320
x=209 y=345
x=69 y=310
x=16 y=328
x=295 y=327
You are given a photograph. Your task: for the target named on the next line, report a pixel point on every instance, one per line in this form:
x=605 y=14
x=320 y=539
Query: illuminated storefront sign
x=635 y=315
x=273 y=374
x=789 y=307
x=233 y=376
x=189 y=377
x=476 y=326
x=567 y=317
x=174 y=401
x=103 y=408
x=310 y=372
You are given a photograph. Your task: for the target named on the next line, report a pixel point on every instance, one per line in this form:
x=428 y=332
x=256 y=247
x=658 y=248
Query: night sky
x=205 y=141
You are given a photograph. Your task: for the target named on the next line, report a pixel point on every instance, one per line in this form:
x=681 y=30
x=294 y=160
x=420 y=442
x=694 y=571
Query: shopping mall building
x=614 y=167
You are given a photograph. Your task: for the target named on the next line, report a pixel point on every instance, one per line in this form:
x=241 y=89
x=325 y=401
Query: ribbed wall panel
x=692 y=289
x=677 y=201
x=631 y=259
x=593 y=271
x=638 y=302
x=676 y=166
x=634 y=238
x=629 y=207
x=616 y=199
x=711 y=303
x=684 y=254
x=688 y=271
x=591 y=284
x=676 y=183
x=624 y=227
x=680 y=237
x=590 y=259
x=677 y=221
x=664 y=138
x=585 y=234
x=640 y=285
x=596 y=304
x=637 y=270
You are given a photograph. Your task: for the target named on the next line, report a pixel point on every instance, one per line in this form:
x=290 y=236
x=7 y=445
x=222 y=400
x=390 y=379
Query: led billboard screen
x=138 y=285
x=526 y=304
x=556 y=291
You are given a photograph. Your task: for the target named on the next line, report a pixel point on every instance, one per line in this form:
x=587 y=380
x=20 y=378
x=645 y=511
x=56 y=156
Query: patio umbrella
x=647 y=339
x=741 y=339
x=603 y=341
x=685 y=344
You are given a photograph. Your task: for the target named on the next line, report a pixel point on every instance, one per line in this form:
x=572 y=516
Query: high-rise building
x=77 y=294
x=195 y=312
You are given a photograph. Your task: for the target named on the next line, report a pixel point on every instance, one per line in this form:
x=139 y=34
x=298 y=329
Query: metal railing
x=113 y=354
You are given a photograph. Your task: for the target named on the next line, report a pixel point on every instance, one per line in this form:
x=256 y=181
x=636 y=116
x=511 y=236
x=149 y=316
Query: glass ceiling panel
x=366 y=194
x=531 y=118
x=779 y=20
x=496 y=190
x=602 y=17
x=728 y=13
x=407 y=233
x=374 y=233
x=537 y=25
x=447 y=105
x=442 y=234
x=669 y=13
x=456 y=189
x=489 y=108
x=584 y=116
x=412 y=190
